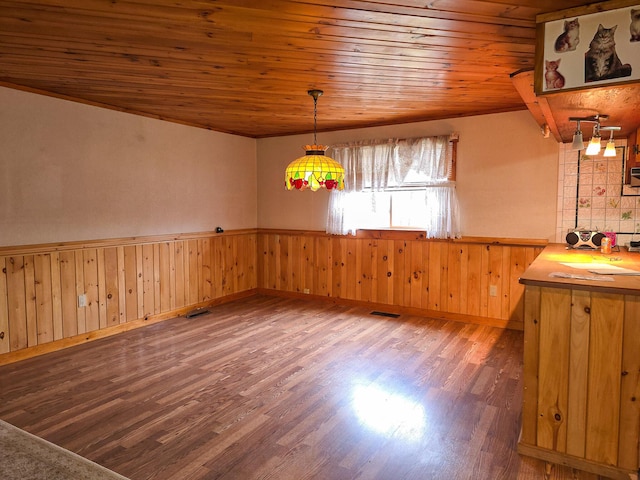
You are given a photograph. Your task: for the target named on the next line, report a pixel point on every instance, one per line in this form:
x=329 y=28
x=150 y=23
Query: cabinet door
x=633 y=155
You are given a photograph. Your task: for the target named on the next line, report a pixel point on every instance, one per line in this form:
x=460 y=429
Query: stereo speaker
x=585 y=239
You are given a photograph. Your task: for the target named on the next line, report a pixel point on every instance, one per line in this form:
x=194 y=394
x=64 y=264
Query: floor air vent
x=196 y=312
x=385 y=314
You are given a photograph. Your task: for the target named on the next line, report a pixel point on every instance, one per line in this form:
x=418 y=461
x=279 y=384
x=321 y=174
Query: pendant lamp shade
x=610 y=151
x=578 y=142
x=594 y=146
x=315 y=170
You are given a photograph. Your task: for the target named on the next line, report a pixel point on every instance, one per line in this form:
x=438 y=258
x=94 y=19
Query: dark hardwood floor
x=273 y=388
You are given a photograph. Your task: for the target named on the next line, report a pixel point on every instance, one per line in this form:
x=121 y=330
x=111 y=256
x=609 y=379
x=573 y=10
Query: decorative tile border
x=590 y=195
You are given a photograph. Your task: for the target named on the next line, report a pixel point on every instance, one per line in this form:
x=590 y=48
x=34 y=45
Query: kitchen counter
x=581 y=365
x=555 y=256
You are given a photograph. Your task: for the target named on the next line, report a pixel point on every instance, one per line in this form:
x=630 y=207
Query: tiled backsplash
x=591 y=196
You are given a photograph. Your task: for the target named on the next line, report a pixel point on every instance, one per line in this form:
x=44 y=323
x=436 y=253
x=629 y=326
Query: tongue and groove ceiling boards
x=244 y=66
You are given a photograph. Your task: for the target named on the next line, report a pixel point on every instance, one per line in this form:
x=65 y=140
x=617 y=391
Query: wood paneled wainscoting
x=125 y=283
x=128 y=283
x=471 y=279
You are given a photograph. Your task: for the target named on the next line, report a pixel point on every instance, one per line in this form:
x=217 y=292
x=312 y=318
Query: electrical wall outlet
x=306 y=290
x=493 y=290
x=82 y=300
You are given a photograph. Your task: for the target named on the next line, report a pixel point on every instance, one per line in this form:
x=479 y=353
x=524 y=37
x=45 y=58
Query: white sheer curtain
x=375 y=168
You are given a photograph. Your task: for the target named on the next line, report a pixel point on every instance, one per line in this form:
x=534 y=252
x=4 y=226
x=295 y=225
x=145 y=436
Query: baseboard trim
x=420 y=312
x=30 y=352
x=578 y=463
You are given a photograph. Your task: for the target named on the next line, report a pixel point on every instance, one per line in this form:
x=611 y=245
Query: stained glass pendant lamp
x=314 y=170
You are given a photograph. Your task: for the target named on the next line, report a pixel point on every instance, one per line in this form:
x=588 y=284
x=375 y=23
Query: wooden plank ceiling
x=244 y=66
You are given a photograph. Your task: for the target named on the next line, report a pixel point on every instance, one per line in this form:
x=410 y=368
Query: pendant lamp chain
x=315 y=120
x=315 y=170
x=315 y=94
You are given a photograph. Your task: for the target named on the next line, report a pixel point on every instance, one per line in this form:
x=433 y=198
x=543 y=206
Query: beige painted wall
x=75 y=172
x=507 y=175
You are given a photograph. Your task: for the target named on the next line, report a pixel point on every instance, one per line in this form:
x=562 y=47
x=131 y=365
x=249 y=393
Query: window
x=397 y=184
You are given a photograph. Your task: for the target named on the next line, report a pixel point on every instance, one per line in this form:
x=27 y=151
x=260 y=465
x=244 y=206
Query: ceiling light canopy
x=314 y=170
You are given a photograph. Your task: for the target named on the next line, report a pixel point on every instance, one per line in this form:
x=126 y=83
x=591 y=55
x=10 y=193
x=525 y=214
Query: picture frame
x=588 y=47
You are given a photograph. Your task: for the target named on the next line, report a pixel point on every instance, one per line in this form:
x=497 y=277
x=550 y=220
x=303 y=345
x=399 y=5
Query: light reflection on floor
x=389 y=413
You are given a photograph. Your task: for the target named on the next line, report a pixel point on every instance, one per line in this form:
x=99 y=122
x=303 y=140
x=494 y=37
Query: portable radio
x=585 y=239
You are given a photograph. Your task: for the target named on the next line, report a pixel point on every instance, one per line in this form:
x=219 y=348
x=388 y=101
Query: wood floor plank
x=276 y=388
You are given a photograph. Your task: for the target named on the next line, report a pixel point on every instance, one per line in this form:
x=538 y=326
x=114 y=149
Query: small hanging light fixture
x=594 y=145
x=610 y=151
x=593 y=148
x=314 y=170
x=578 y=142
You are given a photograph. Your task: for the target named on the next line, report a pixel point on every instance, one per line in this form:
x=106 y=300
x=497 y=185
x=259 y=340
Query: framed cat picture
x=588 y=47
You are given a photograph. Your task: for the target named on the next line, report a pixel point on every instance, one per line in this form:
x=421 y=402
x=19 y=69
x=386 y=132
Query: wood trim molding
x=410 y=235
x=397 y=309
x=115 y=242
x=520 y=242
x=575 y=462
x=373 y=234
x=585 y=10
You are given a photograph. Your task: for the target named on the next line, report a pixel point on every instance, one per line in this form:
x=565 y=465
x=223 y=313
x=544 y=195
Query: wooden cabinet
x=633 y=154
x=581 y=399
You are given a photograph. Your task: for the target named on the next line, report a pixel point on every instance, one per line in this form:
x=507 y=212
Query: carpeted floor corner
x=24 y=456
